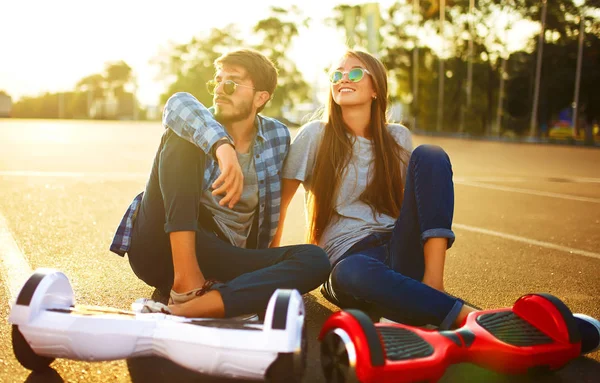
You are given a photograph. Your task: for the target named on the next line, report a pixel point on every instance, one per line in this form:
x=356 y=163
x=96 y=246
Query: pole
x=415 y=98
x=500 y=97
x=470 y=64
x=538 y=70
x=461 y=126
x=441 y=75
x=578 y=72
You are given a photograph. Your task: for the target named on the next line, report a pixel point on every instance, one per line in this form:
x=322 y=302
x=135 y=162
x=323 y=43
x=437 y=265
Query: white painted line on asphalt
x=109 y=175
x=529 y=241
x=528 y=191
x=14 y=268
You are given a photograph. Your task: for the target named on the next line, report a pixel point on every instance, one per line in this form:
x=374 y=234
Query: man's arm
x=192 y=121
x=288 y=190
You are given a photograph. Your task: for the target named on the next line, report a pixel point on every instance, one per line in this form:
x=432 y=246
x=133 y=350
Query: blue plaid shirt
x=189 y=119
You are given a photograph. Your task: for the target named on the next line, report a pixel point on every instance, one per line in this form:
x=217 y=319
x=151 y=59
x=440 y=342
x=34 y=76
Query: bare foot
x=209 y=305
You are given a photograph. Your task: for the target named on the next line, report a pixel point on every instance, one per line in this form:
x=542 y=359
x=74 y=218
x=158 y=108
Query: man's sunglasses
x=229 y=86
x=354 y=75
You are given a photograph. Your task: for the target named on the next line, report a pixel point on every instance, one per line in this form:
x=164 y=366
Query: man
x=203 y=226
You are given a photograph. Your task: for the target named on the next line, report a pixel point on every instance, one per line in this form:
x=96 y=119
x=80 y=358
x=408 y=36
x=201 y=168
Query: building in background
x=5 y=104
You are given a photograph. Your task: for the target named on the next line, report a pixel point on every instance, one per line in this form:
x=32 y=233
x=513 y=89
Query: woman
x=383 y=216
x=382 y=213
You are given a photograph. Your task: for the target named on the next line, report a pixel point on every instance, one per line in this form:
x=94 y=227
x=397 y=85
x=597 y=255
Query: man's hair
x=260 y=68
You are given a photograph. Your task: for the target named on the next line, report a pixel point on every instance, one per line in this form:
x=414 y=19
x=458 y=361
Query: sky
x=47 y=46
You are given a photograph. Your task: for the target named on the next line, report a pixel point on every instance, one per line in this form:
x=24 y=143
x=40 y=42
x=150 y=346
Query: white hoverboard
x=47 y=324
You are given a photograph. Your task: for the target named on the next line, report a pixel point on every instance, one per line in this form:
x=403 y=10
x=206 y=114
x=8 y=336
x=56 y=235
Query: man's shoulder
x=273 y=128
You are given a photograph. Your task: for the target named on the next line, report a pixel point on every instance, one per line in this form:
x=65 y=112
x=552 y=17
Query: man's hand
x=231 y=180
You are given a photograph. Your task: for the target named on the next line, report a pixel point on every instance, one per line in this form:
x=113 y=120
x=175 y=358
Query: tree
x=94 y=84
x=188 y=67
x=117 y=75
x=276 y=34
x=90 y=91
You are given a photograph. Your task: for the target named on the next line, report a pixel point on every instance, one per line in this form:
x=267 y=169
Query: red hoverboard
x=538 y=333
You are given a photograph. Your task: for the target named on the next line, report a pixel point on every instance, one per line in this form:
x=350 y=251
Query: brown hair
x=260 y=68
x=385 y=191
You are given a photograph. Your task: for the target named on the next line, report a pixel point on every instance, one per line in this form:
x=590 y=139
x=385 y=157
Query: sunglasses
x=354 y=75
x=229 y=86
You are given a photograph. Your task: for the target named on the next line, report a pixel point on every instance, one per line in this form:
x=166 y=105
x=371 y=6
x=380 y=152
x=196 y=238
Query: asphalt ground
x=527 y=219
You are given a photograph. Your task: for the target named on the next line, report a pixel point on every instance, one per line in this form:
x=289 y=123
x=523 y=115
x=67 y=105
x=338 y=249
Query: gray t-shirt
x=236 y=223
x=353 y=219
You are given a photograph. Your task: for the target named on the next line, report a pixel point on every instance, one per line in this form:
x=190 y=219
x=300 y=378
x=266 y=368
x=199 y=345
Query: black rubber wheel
x=289 y=367
x=25 y=355
x=337 y=364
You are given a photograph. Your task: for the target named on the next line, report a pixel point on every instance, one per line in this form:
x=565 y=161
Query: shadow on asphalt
x=580 y=370
x=48 y=376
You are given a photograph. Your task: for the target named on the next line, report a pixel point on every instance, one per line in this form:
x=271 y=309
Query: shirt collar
x=258 y=123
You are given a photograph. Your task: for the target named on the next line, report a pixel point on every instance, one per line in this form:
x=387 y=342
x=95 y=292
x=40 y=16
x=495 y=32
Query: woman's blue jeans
x=383 y=272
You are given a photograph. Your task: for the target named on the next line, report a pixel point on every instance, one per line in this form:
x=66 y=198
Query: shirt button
x=257 y=156
x=262 y=182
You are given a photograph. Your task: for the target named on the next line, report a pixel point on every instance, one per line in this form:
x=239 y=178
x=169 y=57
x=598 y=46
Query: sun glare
x=63 y=41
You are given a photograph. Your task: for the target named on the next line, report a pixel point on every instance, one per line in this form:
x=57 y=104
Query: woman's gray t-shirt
x=353 y=219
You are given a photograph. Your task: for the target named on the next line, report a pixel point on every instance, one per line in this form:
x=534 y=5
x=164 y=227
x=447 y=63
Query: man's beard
x=240 y=113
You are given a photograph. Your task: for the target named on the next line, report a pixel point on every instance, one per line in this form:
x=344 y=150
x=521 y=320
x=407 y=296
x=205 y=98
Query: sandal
x=179 y=298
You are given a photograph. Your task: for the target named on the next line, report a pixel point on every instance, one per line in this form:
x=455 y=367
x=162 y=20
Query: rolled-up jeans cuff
x=230 y=306
x=452 y=315
x=439 y=233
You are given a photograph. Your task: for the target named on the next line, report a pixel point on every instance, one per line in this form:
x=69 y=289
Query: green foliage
x=276 y=33
x=187 y=67
x=400 y=35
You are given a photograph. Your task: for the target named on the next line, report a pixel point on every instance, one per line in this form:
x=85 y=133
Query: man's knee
x=320 y=261
x=179 y=145
x=316 y=259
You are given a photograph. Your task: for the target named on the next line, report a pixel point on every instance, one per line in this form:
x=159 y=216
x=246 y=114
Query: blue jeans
x=172 y=202
x=383 y=272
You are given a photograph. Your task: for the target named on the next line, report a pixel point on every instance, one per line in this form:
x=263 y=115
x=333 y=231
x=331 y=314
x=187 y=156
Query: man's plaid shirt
x=189 y=119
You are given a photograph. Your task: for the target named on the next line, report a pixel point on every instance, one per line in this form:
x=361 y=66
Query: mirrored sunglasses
x=354 y=75
x=229 y=86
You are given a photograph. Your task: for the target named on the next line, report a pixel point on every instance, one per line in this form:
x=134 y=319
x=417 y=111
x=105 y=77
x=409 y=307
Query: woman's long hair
x=385 y=191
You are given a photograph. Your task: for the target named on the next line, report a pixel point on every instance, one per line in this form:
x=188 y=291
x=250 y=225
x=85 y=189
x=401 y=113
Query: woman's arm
x=288 y=190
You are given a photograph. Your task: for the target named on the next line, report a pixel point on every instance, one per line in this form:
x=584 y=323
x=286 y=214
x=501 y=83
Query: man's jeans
x=171 y=202
x=383 y=271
